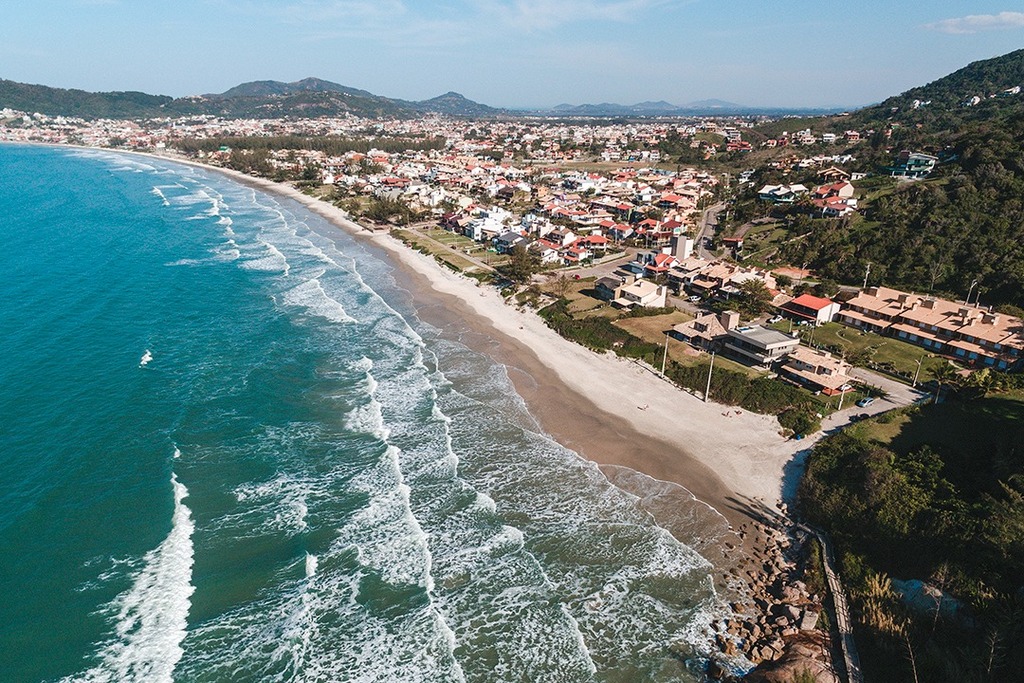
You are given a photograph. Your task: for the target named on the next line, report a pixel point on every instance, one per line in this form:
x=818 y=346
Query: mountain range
x=308 y=98
x=313 y=97
x=662 y=108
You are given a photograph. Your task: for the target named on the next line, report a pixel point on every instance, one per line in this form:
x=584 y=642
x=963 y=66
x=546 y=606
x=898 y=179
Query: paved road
x=897 y=393
x=709 y=219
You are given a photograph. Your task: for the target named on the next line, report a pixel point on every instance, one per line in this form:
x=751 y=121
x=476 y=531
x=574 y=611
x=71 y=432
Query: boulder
x=808 y=620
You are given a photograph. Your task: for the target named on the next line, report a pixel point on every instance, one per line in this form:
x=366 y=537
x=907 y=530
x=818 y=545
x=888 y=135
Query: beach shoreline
x=612 y=411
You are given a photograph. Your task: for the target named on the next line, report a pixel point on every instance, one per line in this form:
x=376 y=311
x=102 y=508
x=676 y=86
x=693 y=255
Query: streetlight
x=969 y=292
x=664 y=356
x=918 y=371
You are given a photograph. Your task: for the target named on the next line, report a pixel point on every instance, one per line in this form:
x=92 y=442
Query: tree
x=561 y=285
x=522 y=264
x=755 y=297
x=945 y=375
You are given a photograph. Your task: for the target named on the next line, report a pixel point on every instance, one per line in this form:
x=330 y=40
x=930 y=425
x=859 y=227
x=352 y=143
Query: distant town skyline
x=511 y=53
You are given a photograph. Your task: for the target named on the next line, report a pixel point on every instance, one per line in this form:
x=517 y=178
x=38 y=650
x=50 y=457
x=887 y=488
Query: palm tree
x=945 y=374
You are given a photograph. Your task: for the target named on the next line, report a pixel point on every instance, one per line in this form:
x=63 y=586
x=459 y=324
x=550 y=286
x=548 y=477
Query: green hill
x=965 y=222
x=308 y=98
x=62 y=102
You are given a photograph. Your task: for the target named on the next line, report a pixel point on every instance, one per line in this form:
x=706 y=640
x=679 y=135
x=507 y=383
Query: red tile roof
x=815 y=303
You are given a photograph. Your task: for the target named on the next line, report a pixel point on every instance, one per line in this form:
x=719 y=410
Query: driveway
x=897 y=393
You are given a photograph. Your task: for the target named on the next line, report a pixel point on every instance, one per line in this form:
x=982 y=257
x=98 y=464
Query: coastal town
x=686 y=271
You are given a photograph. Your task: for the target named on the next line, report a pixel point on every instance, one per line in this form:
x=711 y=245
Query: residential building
x=817 y=370
x=756 y=345
x=641 y=293
x=782 y=194
x=970 y=334
x=912 y=165
x=813 y=308
x=707 y=331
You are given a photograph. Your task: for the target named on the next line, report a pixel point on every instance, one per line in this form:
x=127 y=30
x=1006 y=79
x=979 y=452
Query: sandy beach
x=608 y=409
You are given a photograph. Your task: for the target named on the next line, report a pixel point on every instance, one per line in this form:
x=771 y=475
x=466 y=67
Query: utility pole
x=707 y=389
x=842 y=395
x=866 y=273
x=664 y=356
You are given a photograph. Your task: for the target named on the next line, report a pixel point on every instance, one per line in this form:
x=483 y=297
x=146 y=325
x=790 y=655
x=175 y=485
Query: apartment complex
x=971 y=334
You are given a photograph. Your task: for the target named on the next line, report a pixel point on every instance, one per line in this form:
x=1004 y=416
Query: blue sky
x=512 y=52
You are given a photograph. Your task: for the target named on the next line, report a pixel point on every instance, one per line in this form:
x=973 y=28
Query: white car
x=693 y=299
x=774 y=319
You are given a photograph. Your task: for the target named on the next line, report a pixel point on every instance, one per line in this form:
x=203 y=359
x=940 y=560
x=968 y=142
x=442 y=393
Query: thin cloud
x=533 y=15
x=978 y=22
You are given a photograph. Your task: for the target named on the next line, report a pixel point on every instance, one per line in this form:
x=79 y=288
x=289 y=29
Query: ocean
x=231 y=451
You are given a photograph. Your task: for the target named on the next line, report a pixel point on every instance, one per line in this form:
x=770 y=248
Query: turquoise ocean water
x=229 y=451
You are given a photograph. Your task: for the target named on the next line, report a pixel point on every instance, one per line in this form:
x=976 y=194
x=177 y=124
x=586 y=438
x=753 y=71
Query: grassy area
x=865 y=349
x=441 y=252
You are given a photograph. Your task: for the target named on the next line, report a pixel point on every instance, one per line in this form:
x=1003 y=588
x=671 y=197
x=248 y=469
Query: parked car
x=774 y=319
x=693 y=299
x=865 y=402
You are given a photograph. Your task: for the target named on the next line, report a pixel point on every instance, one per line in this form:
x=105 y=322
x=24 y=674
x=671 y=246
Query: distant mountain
x=308 y=98
x=714 y=104
x=280 y=89
x=454 y=104
x=662 y=108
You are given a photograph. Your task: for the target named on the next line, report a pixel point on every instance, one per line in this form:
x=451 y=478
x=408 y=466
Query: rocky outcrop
x=806 y=653
x=775 y=626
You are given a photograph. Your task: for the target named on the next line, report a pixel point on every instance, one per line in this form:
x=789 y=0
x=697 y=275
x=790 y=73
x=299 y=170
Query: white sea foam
x=163 y=198
x=277 y=505
x=311 y=562
x=151 y=616
x=269 y=260
x=146 y=358
x=311 y=297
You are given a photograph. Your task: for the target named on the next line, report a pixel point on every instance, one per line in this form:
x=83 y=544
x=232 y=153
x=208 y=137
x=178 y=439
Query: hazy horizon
x=521 y=54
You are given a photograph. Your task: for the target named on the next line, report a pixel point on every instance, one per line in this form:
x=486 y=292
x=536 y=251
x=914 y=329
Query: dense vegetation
x=941 y=234
x=945 y=96
x=935 y=494
x=964 y=223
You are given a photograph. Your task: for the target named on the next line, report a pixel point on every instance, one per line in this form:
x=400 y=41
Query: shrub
x=800 y=420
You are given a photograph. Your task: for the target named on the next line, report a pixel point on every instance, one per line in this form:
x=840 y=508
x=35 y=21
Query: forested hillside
x=934 y=495
x=966 y=223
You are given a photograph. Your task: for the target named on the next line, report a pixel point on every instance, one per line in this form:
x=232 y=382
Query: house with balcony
x=912 y=165
x=812 y=308
x=756 y=345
